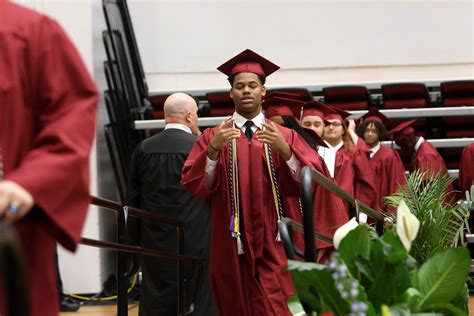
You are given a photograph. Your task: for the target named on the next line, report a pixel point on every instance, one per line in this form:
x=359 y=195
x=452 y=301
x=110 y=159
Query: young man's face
x=333 y=131
x=315 y=123
x=371 y=136
x=407 y=143
x=247 y=93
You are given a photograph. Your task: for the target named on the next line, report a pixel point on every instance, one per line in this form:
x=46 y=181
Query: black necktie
x=248 y=129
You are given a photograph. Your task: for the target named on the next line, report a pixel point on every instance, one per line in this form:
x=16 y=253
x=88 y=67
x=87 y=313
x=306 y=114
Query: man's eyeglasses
x=334 y=124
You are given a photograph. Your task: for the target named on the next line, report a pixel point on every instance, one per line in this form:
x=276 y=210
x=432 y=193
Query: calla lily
x=342 y=231
x=407 y=225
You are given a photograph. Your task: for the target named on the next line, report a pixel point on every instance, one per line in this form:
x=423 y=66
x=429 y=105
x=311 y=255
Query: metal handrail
x=391 y=113
x=122 y=245
x=309 y=176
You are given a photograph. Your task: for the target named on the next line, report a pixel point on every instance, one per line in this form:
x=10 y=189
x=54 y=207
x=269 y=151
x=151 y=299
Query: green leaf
x=315 y=287
x=365 y=268
x=399 y=310
x=461 y=300
x=356 y=243
x=396 y=253
x=454 y=311
x=411 y=297
x=442 y=277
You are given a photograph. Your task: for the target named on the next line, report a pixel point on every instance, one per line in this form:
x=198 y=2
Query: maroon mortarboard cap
x=313 y=108
x=333 y=113
x=311 y=133
x=281 y=106
x=376 y=116
x=402 y=130
x=248 y=61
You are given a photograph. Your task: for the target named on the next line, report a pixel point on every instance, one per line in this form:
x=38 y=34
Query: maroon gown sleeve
x=193 y=176
x=305 y=155
x=466 y=168
x=62 y=100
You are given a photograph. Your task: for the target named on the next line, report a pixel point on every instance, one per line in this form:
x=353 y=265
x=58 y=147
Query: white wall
x=315 y=42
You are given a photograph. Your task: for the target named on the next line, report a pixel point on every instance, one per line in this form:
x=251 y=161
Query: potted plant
x=378 y=275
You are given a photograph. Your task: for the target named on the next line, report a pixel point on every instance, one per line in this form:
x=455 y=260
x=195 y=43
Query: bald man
x=154 y=186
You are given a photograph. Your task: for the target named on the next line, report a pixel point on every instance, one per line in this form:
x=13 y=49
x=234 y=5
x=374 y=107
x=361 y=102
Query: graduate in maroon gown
x=425 y=156
x=47 y=125
x=248 y=166
x=312 y=116
x=348 y=163
x=329 y=210
x=466 y=168
x=386 y=162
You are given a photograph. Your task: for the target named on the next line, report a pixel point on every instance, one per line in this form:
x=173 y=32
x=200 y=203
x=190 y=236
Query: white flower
x=342 y=231
x=407 y=225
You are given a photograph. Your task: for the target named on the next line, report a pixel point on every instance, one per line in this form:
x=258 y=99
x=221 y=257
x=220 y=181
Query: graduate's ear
x=230 y=93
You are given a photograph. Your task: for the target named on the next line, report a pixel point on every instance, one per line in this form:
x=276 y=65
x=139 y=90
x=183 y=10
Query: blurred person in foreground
x=47 y=125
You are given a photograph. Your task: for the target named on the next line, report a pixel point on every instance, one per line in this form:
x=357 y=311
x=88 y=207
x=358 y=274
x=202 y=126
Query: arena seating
x=348 y=97
x=129 y=99
x=458 y=93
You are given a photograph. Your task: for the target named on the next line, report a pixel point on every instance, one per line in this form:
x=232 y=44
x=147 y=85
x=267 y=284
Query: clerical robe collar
x=418 y=143
x=240 y=121
x=374 y=150
x=178 y=126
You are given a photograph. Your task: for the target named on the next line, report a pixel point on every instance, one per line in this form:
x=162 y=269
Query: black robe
x=154 y=185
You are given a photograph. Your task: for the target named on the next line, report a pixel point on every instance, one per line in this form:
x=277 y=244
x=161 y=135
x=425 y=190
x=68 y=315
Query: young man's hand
x=225 y=132
x=271 y=135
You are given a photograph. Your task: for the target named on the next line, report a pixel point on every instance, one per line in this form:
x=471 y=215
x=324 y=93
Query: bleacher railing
x=309 y=177
x=123 y=247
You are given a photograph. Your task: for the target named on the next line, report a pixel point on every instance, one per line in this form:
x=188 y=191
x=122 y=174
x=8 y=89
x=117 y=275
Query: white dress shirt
x=329 y=156
x=418 y=143
x=239 y=121
x=178 y=126
x=374 y=150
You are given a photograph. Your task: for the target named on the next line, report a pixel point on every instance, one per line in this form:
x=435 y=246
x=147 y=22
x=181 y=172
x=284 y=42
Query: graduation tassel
x=234 y=197
x=240 y=247
x=278 y=237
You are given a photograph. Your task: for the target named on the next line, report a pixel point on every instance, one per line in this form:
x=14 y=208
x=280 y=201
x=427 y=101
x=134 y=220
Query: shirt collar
x=178 y=126
x=335 y=148
x=375 y=149
x=418 y=143
x=240 y=120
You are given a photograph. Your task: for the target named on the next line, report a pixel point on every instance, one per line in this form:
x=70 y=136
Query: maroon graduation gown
x=428 y=159
x=389 y=173
x=254 y=283
x=353 y=174
x=47 y=124
x=466 y=168
x=330 y=212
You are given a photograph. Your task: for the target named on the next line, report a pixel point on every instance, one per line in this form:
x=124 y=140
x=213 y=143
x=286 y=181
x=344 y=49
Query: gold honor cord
x=235 y=193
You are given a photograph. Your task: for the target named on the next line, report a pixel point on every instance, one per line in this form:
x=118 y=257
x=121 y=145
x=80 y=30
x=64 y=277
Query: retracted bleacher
x=134 y=109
